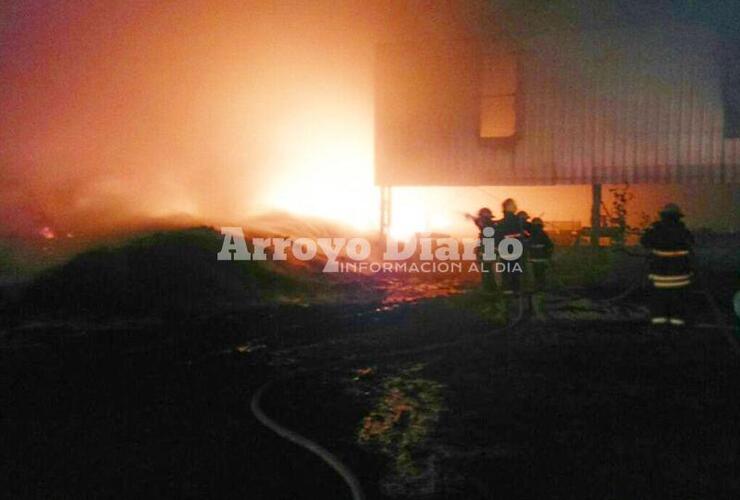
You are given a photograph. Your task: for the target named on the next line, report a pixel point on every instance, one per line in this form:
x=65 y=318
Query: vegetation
x=403 y=419
x=173 y=272
x=580 y=266
x=488 y=304
x=621 y=196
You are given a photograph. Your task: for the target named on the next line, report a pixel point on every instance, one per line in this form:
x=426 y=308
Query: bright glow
x=47 y=233
x=408 y=218
x=326 y=171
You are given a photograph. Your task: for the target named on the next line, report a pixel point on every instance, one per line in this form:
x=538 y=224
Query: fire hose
x=345 y=472
x=703 y=289
x=340 y=468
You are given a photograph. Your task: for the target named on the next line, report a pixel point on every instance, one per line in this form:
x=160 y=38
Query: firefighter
x=526 y=232
x=483 y=220
x=526 y=225
x=539 y=251
x=670 y=268
x=510 y=227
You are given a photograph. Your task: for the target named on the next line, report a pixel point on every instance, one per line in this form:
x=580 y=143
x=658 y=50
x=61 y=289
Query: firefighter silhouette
x=483 y=220
x=539 y=251
x=526 y=224
x=510 y=227
x=670 y=245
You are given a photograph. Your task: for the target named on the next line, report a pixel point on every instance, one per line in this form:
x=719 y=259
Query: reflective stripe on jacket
x=670 y=253
x=670 y=280
x=539 y=246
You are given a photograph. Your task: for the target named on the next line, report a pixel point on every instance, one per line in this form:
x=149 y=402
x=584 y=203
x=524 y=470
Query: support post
x=385 y=210
x=595 y=214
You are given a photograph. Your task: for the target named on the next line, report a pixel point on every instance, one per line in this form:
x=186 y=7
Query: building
x=624 y=105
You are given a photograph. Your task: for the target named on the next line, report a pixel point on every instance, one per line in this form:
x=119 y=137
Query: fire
x=326 y=170
x=334 y=192
x=47 y=233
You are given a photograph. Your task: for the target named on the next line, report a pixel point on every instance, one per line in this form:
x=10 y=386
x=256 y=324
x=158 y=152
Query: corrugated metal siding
x=609 y=107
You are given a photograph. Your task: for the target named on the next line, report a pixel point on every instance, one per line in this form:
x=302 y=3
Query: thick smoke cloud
x=117 y=113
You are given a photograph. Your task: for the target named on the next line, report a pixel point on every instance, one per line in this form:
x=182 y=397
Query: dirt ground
x=427 y=396
x=539 y=411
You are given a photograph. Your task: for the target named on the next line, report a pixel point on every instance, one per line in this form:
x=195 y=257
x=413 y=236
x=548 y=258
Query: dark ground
x=424 y=400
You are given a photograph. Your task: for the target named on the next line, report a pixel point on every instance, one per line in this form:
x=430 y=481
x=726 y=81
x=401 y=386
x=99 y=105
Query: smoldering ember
x=370 y=249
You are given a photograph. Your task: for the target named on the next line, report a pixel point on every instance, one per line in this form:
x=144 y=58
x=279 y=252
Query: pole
x=595 y=214
x=385 y=210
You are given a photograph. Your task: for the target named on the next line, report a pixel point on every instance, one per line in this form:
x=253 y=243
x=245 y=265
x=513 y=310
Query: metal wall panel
x=621 y=106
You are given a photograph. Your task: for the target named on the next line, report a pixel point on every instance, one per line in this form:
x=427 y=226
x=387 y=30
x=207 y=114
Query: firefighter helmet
x=671 y=209
x=509 y=205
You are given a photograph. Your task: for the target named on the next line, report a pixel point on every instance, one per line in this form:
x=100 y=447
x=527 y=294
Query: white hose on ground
x=349 y=478
x=303 y=442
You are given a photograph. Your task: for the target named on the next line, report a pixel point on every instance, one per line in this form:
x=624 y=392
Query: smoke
x=125 y=113
x=115 y=114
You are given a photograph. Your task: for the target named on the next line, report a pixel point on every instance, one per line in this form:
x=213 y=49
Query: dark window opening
x=498 y=94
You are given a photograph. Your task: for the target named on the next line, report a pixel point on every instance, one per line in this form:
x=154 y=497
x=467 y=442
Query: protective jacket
x=482 y=223
x=510 y=226
x=539 y=245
